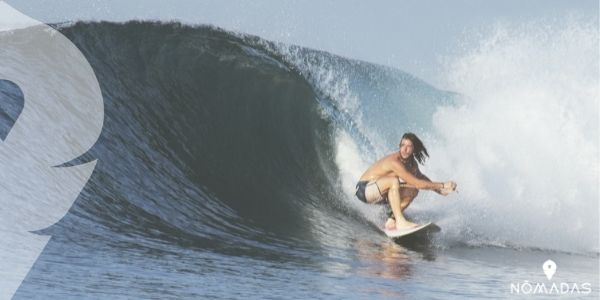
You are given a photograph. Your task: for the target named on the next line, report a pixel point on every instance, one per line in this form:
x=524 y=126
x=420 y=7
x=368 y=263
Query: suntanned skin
x=403 y=165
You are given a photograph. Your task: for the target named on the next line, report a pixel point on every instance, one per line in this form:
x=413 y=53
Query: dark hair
x=419 y=150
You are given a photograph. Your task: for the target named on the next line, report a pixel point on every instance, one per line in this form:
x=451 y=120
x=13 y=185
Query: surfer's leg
x=391 y=186
x=407 y=195
x=394 y=198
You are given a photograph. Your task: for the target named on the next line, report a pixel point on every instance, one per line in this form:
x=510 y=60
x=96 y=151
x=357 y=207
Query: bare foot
x=405 y=224
x=390 y=224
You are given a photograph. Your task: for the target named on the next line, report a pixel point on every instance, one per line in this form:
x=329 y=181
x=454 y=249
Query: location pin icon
x=549 y=268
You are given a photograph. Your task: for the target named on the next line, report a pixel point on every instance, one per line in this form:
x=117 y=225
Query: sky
x=413 y=36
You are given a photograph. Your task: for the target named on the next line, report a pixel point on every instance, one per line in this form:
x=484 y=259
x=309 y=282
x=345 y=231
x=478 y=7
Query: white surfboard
x=396 y=233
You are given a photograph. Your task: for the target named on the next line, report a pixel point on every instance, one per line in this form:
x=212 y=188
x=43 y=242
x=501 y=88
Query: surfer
x=396 y=179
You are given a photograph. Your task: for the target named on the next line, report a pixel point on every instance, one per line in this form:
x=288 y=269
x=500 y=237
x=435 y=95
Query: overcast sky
x=410 y=35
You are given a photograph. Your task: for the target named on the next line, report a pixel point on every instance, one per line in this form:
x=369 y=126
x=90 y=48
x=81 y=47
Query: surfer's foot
x=405 y=224
x=390 y=224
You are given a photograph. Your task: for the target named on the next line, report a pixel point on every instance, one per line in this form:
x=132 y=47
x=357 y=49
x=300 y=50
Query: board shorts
x=368 y=192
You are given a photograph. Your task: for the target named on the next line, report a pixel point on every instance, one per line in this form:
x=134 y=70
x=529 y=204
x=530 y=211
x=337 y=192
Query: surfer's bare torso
x=396 y=179
x=386 y=167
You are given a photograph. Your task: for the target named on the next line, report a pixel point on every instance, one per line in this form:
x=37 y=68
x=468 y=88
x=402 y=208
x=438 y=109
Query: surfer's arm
x=422 y=176
x=421 y=184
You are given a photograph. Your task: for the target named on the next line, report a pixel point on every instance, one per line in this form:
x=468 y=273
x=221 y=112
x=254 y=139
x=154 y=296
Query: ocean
x=226 y=167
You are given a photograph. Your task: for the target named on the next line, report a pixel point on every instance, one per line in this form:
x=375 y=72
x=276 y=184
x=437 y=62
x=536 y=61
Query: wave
x=225 y=141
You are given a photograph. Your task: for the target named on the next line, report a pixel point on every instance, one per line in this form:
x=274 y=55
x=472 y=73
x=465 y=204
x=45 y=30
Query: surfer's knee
x=389 y=184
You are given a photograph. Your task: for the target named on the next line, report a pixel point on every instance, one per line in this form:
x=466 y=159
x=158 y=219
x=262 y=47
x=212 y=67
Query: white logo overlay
x=561 y=288
x=61 y=119
x=549 y=268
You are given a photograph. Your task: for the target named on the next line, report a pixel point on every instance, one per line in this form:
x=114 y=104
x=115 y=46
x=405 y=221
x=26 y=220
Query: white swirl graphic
x=61 y=119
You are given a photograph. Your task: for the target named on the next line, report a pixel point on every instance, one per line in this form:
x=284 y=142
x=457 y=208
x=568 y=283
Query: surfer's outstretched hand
x=449 y=187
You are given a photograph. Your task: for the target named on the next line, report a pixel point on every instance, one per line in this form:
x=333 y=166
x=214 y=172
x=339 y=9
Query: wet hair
x=419 y=150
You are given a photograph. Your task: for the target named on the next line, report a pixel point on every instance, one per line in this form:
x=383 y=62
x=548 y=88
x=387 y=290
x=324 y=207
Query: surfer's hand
x=444 y=192
x=448 y=188
x=449 y=185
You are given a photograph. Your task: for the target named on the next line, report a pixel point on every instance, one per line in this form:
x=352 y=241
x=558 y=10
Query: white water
x=523 y=142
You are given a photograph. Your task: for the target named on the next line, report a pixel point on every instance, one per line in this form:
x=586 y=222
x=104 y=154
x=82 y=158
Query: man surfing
x=396 y=178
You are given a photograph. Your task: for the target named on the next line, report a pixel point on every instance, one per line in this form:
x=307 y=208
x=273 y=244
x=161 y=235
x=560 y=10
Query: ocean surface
x=227 y=163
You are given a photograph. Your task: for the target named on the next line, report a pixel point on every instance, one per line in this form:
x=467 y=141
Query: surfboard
x=398 y=233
